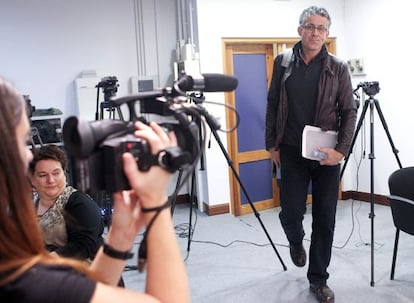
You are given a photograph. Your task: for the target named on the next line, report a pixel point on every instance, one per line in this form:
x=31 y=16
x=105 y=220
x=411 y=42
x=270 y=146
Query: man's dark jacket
x=335 y=105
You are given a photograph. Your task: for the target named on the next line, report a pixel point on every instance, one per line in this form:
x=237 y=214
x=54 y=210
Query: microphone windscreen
x=219 y=83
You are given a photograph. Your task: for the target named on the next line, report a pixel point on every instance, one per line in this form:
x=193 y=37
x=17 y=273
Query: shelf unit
x=49 y=128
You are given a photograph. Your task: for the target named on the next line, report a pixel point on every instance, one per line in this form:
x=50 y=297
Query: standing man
x=310 y=87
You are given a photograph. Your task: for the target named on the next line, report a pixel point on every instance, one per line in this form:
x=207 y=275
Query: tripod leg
x=372 y=157
x=193 y=194
x=372 y=213
x=384 y=125
x=101 y=114
x=361 y=119
x=229 y=162
x=192 y=201
x=177 y=186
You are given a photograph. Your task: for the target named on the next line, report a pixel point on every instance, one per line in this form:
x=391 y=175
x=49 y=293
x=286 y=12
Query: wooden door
x=251 y=62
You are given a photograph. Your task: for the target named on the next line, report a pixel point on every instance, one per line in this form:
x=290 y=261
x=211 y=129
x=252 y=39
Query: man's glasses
x=312 y=27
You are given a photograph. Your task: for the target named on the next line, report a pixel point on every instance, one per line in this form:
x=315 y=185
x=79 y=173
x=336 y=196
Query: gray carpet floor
x=230 y=259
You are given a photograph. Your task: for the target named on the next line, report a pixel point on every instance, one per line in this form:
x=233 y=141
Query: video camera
x=109 y=86
x=96 y=147
x=370 y=88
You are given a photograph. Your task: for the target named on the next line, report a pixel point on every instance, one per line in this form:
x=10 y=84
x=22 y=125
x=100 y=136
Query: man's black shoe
x=298 y=254
x=322 y=293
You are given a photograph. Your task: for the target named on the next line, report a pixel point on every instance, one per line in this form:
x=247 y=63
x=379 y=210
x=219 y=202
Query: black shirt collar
x=297 y=49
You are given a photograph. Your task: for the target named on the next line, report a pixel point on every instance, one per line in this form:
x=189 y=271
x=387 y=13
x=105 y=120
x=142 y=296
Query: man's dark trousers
x=296 y=175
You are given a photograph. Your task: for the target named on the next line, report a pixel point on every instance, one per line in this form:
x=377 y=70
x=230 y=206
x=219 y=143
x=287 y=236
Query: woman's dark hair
x=20 y=239
x=21 y=243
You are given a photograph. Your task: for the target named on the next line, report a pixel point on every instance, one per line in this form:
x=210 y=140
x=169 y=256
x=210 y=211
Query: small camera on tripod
x=109 y=86
x=370 y=88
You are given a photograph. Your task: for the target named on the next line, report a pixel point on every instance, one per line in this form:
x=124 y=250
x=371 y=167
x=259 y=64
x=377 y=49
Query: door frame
x=272 y=47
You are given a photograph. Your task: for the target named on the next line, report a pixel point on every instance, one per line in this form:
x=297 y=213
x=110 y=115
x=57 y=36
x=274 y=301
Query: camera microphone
x=207 y=83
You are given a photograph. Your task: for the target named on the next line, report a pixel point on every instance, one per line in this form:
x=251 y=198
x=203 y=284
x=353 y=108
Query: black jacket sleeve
x=84 y=226
x=273 y=103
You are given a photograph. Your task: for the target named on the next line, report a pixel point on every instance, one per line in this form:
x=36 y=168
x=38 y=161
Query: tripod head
x=370 y=88
x=109 y=87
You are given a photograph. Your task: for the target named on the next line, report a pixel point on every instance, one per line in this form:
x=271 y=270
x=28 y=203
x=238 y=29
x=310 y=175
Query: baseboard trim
x=216 y=209
x=209 y=210
x=366 y=197
x=220 y=209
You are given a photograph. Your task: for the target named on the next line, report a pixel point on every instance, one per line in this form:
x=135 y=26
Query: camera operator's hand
x=150 y=186
x=126 y=221
x=149 y=191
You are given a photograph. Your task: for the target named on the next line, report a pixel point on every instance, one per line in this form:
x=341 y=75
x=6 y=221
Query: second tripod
x=109 y=87
x=371 y=89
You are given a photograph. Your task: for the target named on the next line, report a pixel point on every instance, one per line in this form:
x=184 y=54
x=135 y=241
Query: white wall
x=378 y=32
x=46 y=44
x=219 y=19
x=375 y=30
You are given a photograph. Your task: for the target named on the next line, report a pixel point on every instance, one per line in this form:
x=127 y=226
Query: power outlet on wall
x=356 y=66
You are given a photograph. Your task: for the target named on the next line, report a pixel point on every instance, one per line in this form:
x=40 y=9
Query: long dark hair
x=21 y=243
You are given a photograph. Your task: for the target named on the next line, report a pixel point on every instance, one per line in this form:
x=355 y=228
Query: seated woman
x=70 y=220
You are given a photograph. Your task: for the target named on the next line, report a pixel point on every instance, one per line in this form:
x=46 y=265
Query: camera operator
x=31 y=274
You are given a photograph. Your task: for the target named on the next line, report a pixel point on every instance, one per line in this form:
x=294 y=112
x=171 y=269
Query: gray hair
x=314 y=10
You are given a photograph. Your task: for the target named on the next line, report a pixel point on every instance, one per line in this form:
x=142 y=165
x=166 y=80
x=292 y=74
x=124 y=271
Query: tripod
x=214 y=127
x=196 y=98
x=192 y=199
x=198 y=112
x=109 y=88
x=371 y=102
